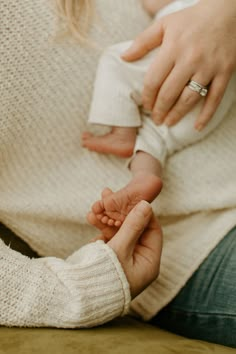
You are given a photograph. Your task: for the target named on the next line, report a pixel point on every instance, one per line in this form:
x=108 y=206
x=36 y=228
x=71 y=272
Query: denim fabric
x=206 y=307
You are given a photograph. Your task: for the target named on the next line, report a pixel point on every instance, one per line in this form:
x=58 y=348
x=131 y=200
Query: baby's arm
x=152 y=6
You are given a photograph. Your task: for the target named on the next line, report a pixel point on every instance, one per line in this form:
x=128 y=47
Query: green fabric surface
x=125 y=335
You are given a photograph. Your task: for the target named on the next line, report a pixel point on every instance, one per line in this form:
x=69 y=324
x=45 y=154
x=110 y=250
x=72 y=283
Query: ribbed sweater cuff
x=92 y=288
x=87 y=289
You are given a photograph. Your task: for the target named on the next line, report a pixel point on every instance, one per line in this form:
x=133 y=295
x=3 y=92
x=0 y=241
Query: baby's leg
x=146 y=184
x=113 y=103
x=153 y=145
x=119 y=141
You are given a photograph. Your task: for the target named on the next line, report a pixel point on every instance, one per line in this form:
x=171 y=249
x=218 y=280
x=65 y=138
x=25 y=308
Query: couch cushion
x=126 y=335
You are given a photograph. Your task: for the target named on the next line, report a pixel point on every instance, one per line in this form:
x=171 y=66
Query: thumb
x=132 y=228
x=145 y=42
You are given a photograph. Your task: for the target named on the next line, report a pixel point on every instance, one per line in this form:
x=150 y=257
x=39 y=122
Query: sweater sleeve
x=87 y=289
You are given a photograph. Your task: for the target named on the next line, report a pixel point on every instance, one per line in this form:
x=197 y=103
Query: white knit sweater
x=48 y=182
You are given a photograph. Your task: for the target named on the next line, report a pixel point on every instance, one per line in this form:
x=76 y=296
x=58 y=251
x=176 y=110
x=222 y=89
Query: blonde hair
x=77 y=15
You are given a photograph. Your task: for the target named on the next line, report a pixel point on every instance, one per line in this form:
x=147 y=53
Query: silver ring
x=195 y=86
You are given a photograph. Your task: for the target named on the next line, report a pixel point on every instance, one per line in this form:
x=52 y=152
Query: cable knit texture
x=48 y=182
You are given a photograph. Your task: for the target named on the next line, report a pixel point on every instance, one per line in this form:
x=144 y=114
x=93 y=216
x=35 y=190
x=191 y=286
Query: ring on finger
x=196 y=87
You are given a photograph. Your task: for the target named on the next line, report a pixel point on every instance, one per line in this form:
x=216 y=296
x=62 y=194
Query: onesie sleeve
x=87 y=289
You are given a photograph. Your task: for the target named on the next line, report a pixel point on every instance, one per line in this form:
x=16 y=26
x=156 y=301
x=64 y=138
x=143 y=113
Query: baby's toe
x=117 y=223
x=86 y=135
x=105 y=219
x=98 y=207
x=111 y=222
x=106 y=192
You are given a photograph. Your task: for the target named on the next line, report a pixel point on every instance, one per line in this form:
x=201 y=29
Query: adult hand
x=197 y=43
x=137 y=244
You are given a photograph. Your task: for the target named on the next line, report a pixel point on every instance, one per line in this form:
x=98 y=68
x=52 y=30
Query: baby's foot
x=106 y=231
x=120 y=141
x=114 y=207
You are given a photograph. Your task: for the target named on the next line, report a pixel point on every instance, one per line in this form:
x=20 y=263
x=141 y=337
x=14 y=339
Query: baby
x=116 y=102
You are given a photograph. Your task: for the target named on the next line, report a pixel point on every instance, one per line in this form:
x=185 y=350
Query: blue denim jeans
x=206 y=307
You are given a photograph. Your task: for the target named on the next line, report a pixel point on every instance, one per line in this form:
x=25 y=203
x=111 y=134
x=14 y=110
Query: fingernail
x=199 y=127
x=143 y=207
x=127 y=52
x=123 y=55
x=157 y=121
x=168 y=122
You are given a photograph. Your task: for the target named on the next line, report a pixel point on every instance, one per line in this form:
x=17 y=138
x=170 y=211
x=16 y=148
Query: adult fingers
x=187 y=100
x=145 y=42
x=169 y=92
x=155 y=76
x=151 y=242
x=213 y=99
x=124 y=241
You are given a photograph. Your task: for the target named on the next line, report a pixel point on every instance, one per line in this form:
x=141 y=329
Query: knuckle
x=194 y=56
x=189 y=99
x=171 y=44
x=163 y=100
x=150 y=85
x=166 y=96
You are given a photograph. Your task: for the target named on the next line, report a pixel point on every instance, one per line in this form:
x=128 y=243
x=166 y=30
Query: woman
x=46 y=84
x=48 y=183
x=198 y=43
